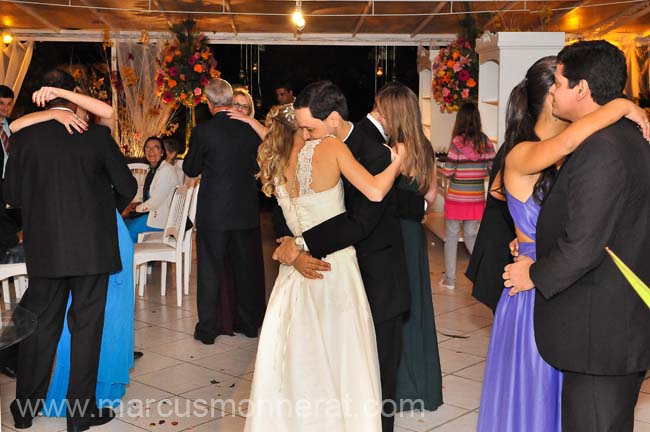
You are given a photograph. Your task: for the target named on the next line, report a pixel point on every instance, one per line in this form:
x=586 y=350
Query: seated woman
x=172 y=149
x=116 y=355
x=159 y=185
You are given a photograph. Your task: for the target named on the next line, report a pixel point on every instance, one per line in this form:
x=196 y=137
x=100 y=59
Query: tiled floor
x=179 y=383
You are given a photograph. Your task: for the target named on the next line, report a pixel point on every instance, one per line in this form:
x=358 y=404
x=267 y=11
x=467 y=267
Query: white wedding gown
x=317 y=368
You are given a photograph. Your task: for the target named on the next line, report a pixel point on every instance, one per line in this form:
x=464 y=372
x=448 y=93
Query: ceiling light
x=7 y=38
x=297 y=17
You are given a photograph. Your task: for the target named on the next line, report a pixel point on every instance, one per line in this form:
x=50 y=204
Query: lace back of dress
x=304 y=166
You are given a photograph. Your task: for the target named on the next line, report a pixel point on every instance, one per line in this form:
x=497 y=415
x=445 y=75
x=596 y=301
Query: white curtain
x=14 y=62
x=146 y=115
x=637 y=57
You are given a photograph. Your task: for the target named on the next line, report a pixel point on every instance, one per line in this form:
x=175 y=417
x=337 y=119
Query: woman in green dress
x=419 y=382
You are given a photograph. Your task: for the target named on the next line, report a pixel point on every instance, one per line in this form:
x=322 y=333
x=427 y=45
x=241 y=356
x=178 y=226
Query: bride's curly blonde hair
x=274 y=152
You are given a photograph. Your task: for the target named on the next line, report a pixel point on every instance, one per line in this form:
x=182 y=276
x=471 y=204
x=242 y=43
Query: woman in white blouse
x=159 y=185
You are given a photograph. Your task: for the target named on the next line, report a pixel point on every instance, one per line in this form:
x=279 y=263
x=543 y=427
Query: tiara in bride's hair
x=287 y=115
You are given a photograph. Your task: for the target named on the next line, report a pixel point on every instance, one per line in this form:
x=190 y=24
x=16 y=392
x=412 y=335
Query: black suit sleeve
x=279 y=223
x=596 y=184
x=410 y=205
x=354 y=225
x=193 y=162
x=124 y=184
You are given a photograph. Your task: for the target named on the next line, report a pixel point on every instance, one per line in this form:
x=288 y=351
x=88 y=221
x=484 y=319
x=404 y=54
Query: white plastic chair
x=157 y=236
x=139 y=171
x=18 y=271
x=169 y=249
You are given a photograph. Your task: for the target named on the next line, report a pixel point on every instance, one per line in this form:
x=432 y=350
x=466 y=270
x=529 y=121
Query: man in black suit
x=373 y=228
x=589 y=322
x=224 y=151
x=68 y=187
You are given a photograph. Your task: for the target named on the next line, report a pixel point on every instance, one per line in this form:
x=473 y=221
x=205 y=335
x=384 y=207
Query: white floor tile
x=235 y=362
x=171 y=415
x=642 y=410
x=227 y=423
x=181 y=378
x=152 y=362
x=466 y=423
x=452 y=361
x=641 y=426
x=190 y=349
x=161 y=314
x=230 y=396
x=421 y=421
x=462 y=323
x=138 y=395
x=470 y=344
x=474 y=373
x=151 y=336
x=461 y=392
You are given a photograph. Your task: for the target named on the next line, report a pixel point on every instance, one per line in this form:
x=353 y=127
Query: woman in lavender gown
x=521 y=392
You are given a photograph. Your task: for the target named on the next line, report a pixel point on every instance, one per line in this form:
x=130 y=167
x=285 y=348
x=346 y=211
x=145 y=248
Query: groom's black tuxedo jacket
x=373 y=228
x=588 y=319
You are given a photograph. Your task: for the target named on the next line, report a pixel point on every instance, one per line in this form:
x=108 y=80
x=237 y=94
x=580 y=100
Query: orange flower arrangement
x=186 y=67
x=455 y=70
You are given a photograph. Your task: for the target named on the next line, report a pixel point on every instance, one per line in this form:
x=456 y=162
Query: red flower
x=204 y=80
x=167 y=97
x=463 y=75
x=197 y=100
x=191 y=60
x=173 y=71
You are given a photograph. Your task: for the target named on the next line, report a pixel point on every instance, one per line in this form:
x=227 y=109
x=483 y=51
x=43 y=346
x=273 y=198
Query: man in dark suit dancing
x=588 y=321
x=68 y=187
x=373 y=228
x=224 y=151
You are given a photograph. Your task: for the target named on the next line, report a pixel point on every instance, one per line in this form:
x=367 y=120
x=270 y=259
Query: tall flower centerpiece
x=186 y=67
x=455 y=75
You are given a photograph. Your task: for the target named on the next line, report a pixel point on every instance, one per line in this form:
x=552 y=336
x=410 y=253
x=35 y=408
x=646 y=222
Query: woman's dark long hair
x=524 y=108
x=468 y=124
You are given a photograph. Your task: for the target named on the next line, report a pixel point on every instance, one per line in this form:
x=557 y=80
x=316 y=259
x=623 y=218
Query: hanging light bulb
x=7 y=38
x=380 y=71
x=258 y=103
x=297 y=17
x=254 y=67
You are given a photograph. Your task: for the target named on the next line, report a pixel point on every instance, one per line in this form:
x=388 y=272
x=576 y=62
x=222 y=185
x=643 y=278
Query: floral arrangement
x=455 y=72
x=92 y=80
x=186 y=67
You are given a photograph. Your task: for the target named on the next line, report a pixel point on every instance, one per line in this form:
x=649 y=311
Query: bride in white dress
x=317 y=367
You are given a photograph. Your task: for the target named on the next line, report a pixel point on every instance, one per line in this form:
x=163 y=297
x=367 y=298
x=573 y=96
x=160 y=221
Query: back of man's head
x=6 y=92
x=599 y=63
x=62 y=80
x=322 y=98
x=219 y=93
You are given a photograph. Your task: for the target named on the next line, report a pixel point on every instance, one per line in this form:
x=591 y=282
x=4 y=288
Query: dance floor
x=181 y=384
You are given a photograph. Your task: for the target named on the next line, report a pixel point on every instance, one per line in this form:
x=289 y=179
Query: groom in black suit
x=589 y=322
x=68 y=187
x=224 y=151
x=373 y=228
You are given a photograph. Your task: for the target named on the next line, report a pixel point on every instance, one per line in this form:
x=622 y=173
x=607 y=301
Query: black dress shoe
x=99 y=417
x=206 y=340
x=21 y=420
x=248 y=333
x=8 y=371
x=137 y=355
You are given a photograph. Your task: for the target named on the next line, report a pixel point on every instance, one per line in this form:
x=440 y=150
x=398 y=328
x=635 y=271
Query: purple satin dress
x=521 y=392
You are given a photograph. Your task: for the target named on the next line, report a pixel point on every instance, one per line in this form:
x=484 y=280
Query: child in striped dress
x=469 y=161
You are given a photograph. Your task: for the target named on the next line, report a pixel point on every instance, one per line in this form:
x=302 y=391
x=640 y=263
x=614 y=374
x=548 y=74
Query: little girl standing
x=469 y=161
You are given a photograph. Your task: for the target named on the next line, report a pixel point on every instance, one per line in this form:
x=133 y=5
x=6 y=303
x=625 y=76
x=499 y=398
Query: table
x=17 y=324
